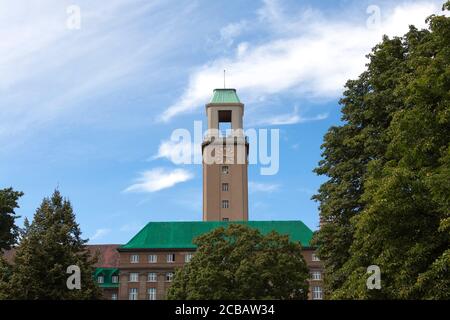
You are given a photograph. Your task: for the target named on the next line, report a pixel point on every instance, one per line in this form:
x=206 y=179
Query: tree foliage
x=9 y=231
x=5 y=276
x=48 y=245
x=240 y=263
x=387 y=199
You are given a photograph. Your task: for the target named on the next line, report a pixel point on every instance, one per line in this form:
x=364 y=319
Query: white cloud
x=309 y=55
x=289 y=118
x=48 y=69
x=262 y=187
x=159 y=178
x=99 y=233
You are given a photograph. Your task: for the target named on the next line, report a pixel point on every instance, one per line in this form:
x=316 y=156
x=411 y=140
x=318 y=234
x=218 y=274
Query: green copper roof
x=179 y=235
x=225 y=96
x=107 y=274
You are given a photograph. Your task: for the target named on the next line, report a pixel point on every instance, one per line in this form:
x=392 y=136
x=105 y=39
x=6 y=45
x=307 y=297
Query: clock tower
x=225 y=159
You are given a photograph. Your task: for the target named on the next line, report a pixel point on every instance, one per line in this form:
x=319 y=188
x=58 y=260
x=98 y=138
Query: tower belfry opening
x=225 y=125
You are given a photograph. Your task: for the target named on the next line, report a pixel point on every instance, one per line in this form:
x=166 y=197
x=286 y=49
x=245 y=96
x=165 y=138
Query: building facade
x=149 y=260
x=108 y=280
x=107 y=269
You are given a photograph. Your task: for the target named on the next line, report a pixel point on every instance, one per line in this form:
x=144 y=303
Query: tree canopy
x=239 y=262
x=9 y=231
x=48 y=246
x=387 y=199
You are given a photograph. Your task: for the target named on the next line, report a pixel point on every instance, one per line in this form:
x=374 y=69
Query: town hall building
x=143 y=268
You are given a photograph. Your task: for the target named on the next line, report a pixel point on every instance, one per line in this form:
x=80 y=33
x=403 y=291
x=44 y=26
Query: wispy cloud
x=158 y=179
x=99 y=234
x=48 y=69
x=288 y=118
x=308 y=55
x=262 y=187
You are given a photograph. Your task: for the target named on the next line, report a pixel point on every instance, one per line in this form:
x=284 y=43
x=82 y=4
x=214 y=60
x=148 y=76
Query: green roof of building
x=107 y=274
x=225 y=96
x=180 y=235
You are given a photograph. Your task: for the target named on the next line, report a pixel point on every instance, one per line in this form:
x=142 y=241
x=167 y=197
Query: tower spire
x=224 y=78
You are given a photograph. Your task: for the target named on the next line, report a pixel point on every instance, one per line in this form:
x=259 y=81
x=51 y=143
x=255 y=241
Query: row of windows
x=225 y=188
x=101 y=279
x=133 y=294
x=317 y=294
x=153 y=258
x=151 y=277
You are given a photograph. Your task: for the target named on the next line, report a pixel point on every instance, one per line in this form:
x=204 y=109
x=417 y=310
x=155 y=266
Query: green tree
x=50 y=244
x=387 y=199
x=366 y=110
x=240 y=263
x=9 y=231
x=5 y=276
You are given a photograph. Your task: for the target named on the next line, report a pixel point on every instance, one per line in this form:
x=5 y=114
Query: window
x=171 y=257
x=133 y=295
x=315 y=257
x=152 y=277
x=114 y=296
x=316 y=275
x=100 y=279
x=169 y=276
x=225 y=204
x=115 y=279
x=225 y=219
x=134 y=277
x=134 y=258
x=225 y=187
x=152 y=258
x=151 y=293
x=225 y=170
x=317 y=293
x=188 y=257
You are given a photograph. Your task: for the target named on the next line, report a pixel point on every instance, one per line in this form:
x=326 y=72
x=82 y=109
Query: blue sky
x=90 y=110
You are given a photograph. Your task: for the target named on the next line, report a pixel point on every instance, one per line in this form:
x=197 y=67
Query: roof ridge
x=180 y=234
x=225 y=95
